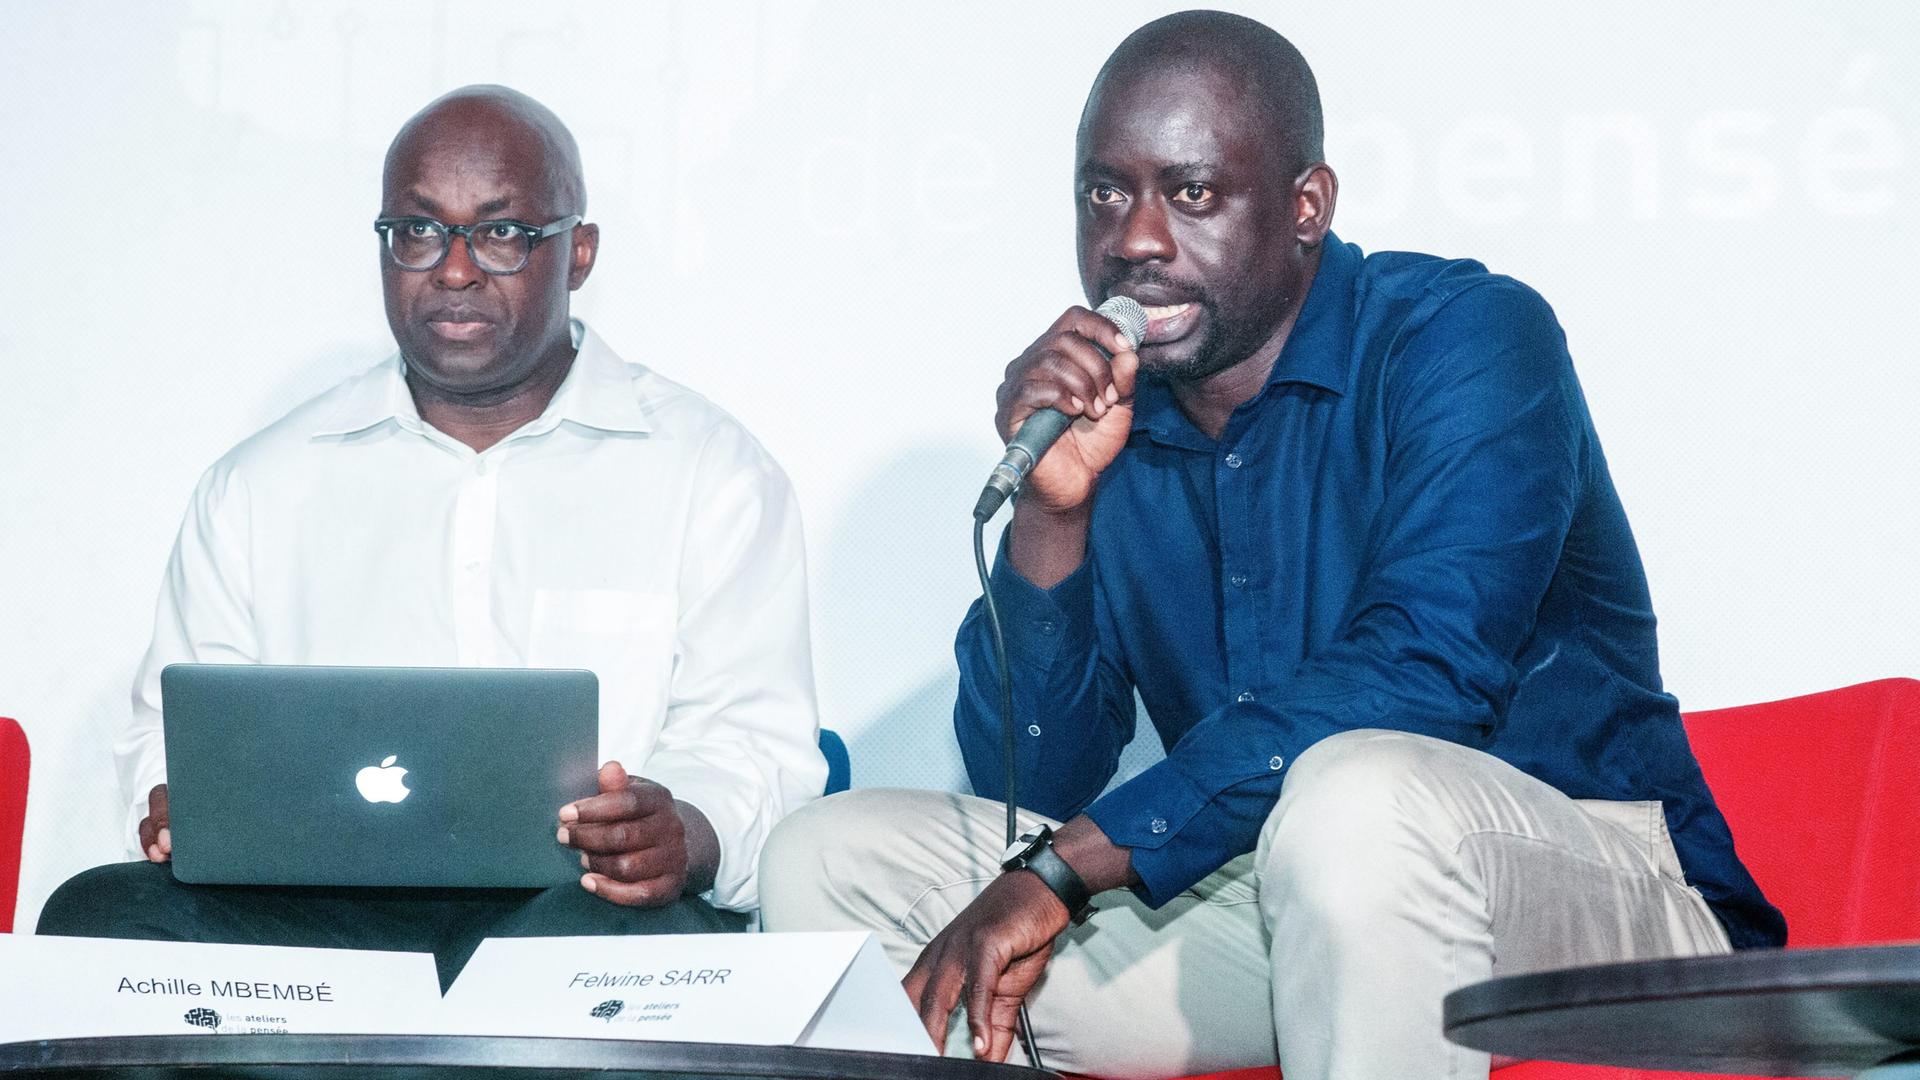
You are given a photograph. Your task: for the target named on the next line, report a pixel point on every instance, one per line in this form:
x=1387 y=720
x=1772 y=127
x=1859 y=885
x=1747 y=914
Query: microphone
x=1045 y=427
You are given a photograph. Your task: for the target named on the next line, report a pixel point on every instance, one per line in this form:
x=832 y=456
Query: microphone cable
x=1008 y=742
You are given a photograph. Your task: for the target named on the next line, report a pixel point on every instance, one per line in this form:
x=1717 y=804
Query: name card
x=55 y=988
x=824 y=989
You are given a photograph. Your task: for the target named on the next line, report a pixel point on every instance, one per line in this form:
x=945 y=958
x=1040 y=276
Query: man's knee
x=1356 y=809
x=1355 y=774
x=118 y=900
x=826 y=838
x=801 y=841
x=844 y=853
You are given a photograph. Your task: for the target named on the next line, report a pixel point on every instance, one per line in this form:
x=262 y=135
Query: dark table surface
x=1761 y=1012
x=413 y=1057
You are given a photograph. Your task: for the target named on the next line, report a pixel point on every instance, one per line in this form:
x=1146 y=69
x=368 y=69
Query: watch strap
x=1065 y=883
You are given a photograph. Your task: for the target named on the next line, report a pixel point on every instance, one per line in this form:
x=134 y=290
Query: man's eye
x=503 y=232
x=1194 y=193
x=421 y=230
x=1103 y=194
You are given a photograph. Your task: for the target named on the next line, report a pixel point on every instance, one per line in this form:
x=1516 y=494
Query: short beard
x=1210 y=357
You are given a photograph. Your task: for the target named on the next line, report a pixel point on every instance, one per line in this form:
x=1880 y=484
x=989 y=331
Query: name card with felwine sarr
x=827 y=989
x=58 y=988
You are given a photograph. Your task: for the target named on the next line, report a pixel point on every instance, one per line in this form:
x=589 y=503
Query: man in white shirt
x=504 y=492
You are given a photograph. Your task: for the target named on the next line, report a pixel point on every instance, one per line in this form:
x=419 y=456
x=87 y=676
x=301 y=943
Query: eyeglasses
x=498 y=247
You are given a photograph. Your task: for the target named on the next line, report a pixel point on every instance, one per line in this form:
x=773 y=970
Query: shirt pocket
x=628 y=639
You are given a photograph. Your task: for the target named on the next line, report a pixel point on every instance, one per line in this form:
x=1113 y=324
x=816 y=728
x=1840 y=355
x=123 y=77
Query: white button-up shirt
x=633 y=529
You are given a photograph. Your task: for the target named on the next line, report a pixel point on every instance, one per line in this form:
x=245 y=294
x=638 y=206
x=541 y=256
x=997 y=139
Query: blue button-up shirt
x=1410 y=526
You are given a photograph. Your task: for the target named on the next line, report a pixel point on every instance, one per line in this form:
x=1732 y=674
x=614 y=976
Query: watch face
x=1016 y=854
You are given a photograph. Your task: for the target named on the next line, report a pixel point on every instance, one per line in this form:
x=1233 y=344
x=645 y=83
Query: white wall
x=853 y=209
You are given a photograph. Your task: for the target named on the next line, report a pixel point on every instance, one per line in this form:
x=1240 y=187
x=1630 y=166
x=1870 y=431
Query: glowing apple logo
x=385 y=782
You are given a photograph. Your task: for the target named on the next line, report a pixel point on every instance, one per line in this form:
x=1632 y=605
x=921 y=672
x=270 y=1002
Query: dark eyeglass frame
x=534 y=233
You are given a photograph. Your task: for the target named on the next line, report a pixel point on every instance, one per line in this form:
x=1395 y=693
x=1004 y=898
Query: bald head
x=514 y=125
x=1249 y=55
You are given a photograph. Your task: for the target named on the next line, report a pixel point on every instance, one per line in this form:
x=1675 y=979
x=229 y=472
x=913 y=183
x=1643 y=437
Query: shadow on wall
x=896 y=580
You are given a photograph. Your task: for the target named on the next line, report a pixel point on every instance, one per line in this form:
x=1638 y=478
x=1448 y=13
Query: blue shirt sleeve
x=1071 y=699
x=1489 y=443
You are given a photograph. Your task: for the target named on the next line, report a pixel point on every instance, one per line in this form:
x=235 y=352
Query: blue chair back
x=839 y=765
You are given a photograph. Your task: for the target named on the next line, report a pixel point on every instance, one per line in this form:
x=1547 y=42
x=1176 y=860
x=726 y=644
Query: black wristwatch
x=1034 y=851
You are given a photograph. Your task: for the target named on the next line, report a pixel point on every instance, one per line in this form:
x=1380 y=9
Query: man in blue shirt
x=1343 y=523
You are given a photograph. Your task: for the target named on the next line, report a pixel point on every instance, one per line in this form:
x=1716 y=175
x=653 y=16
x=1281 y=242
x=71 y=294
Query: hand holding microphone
x=1064 y=387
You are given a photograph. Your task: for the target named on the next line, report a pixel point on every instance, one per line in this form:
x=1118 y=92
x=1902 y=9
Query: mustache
x=1155 y=276
x=456 y=313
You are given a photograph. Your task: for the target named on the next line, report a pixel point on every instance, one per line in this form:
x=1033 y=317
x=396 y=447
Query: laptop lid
x=376 y=776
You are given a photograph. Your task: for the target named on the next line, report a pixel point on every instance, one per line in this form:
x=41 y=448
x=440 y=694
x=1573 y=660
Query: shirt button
x=1157 y=825
x=1238 y=581
x=1245 y=695
x=1033 y=729
x=1047 y=626
x=479 y=468
x=1234 y=461
x=1275 y=762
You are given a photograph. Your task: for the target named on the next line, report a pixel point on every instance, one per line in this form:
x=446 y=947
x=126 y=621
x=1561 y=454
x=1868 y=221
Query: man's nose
x=1144 y=236
x=457 y=270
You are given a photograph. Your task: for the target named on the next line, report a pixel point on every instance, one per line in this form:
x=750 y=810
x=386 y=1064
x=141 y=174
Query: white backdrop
x=840 y=219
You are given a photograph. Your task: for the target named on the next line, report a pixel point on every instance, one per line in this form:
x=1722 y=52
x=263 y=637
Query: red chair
x=1823 y=795
x=13 y=815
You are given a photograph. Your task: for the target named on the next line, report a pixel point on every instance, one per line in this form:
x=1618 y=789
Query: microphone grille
x=1126 y=313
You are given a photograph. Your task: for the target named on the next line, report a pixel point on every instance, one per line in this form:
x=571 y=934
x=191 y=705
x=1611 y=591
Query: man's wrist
x=1033 y=853
x=1100 y=862
x=1047 y=546
x=1028 y=885
x=703 y=847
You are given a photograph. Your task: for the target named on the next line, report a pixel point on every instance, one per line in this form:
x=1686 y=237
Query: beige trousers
x=1393 y=868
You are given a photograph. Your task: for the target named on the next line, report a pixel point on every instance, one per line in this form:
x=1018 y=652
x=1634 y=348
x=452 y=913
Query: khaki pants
x=1393 y=868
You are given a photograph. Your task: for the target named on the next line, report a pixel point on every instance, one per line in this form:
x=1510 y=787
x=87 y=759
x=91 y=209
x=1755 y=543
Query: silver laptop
x=368 y=776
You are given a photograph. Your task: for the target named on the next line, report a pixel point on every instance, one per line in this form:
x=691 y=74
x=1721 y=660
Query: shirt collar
x=598 y=392
x=1316 y=351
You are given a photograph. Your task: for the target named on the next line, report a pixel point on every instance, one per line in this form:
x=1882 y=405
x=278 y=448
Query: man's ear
x=585 y=248
x=1314 y=193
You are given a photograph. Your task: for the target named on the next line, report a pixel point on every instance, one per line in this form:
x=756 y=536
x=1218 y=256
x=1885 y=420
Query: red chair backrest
x=13 y=815
x=1823 y=795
